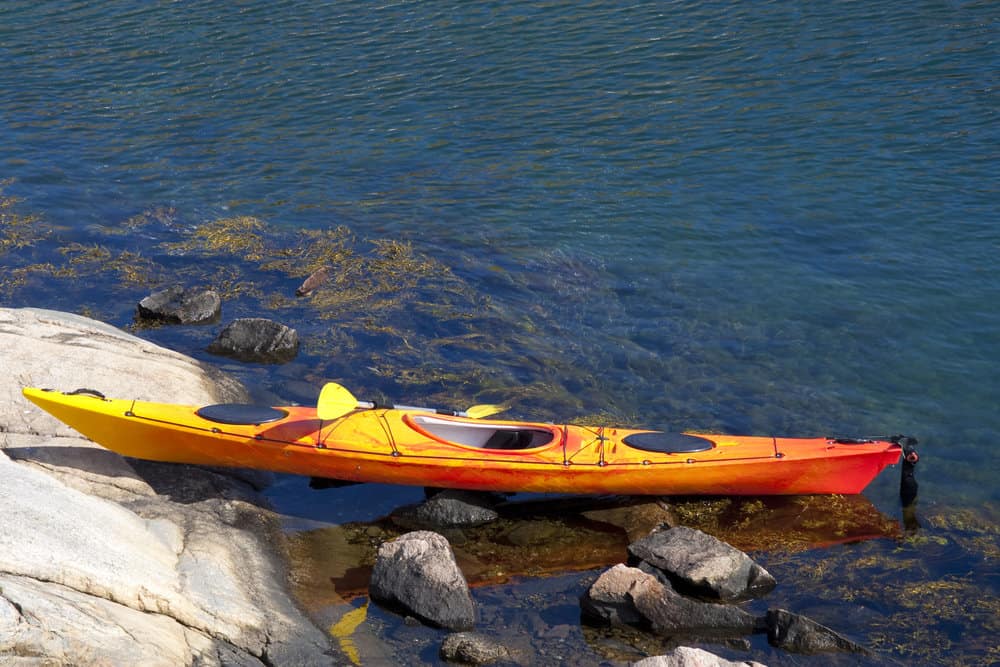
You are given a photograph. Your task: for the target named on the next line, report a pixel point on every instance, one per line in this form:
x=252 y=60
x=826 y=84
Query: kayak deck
x=419 y=448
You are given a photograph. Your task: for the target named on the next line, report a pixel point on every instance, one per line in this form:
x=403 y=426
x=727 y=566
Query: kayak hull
x=406 y=447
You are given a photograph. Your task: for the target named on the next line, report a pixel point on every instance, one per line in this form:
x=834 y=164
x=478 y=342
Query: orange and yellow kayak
x=418 y=447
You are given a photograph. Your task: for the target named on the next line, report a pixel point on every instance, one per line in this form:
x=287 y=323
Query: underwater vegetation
x=927 y=597
x=551 y=334
x=17 y=230
x=404 y=318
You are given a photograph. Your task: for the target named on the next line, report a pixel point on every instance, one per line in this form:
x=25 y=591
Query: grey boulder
x=178 y=305
x=626 y=595
x=699 y=564
x=256 y=339
x=416 y=573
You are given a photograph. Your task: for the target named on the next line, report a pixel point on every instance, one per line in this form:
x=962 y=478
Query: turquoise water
x=765 y=217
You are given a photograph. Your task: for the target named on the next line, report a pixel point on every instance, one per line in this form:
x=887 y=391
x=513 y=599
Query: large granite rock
x=417 y=574
x=698 y=564
x=99 y=563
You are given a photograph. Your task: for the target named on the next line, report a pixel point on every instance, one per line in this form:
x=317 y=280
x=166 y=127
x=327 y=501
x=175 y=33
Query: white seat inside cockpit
x=485 y=435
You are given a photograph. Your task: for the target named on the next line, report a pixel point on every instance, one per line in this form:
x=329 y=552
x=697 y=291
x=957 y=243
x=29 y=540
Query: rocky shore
x=107 y=560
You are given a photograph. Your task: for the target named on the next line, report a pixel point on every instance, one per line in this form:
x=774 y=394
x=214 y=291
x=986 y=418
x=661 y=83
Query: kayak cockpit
x=483 y=435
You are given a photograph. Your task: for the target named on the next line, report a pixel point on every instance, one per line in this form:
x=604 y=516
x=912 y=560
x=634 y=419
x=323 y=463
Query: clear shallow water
x=759 y=217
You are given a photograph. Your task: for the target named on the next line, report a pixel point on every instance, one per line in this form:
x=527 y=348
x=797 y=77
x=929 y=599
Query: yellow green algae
x=17 y=229
x=130 y=268
x=238 y=235
x=927 y=599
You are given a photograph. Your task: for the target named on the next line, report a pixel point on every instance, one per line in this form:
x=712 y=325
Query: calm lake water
x=768 y=217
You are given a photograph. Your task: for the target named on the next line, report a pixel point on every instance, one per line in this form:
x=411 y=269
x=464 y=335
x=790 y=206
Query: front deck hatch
x=240 y=413
x=668 y=443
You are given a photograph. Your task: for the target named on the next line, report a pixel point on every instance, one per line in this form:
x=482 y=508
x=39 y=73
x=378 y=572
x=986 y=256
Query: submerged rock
x=417 y=573
x=798 y=634
x=637 y=520
x=626 y=595
x=685 y=656
x=697 y=563
x=177 y=305
x=472 y=648
x=257 y=339
x=670 y=613
x=454 y=509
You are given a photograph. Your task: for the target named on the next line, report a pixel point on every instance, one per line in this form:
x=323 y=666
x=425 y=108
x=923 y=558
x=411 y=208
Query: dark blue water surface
x=768 y=217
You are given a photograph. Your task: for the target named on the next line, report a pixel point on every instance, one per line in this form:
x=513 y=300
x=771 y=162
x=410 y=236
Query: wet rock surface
x=256 y=339
x=416 y=573
x=609 y=600
x=180 y=305
x=628 y=596
x=798 y=634
x=637 y=520
x=472 y=648
x=699 y=564
x=452 y=509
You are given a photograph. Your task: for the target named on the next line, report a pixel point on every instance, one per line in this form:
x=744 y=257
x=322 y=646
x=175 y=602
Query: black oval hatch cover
x=668 y=443
x=240 y=413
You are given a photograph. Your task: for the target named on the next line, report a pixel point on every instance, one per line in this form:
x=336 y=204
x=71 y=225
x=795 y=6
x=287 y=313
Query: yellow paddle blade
x=485 y=410
x=335 y=401
x=345 y=627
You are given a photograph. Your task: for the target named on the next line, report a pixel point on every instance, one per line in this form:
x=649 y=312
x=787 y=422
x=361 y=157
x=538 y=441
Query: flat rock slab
x=46 y=348
x=65 y=626
x=699 y=564
x=417 y=574
x=79 y=464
